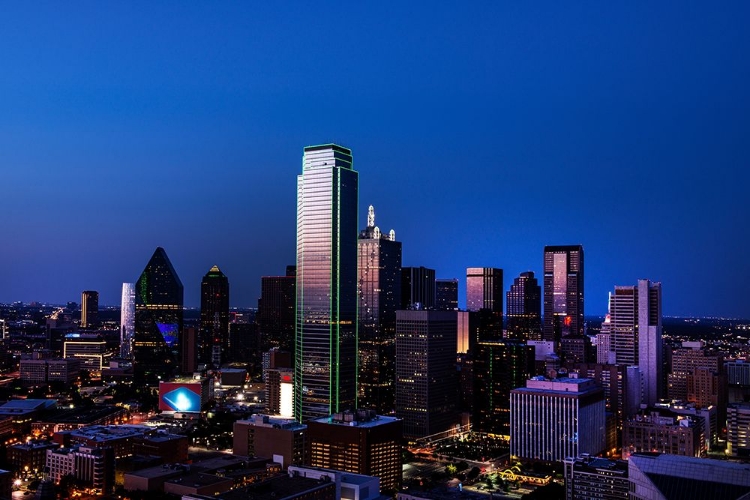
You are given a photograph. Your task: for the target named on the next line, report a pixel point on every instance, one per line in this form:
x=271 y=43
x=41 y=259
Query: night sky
x=481 y=133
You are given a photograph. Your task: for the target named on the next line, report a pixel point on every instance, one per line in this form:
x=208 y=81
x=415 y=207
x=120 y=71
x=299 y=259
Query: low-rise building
x=738 y=430
x=654 y=476
x=662 y=432
x=92 y=465
x=30 y=455
x=281 y=440
x=348 y=486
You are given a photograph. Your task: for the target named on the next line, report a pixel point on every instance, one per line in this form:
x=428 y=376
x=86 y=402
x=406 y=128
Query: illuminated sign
x=179 y=397
x=168 y=332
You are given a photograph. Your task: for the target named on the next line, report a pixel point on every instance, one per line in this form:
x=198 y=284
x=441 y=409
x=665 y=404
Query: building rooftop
x=277 y=487
x=24 y=405
x=197 y=479
x=559 y=385
x=105 y=432
x=359 y=419
x=35 y=444
x=82 y=415
x=260 y=420
x=687 y=478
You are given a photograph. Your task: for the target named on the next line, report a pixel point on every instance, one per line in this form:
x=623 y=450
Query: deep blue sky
x=481 y=133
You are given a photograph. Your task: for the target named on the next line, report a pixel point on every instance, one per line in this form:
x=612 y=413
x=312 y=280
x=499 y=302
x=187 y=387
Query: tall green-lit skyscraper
x=157 y=344
x=325 y=369
x=214 y=332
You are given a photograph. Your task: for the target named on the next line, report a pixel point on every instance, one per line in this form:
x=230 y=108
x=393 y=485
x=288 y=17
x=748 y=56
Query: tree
x=473 y=473
x=451 y=470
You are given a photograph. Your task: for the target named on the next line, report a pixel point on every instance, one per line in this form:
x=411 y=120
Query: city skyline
x=619 y=128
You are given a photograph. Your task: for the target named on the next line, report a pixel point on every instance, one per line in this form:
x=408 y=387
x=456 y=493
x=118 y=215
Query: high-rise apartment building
x=325 y=376
x=563 y=291
x=446 y=294
x=636 y=334
x=379 y=287
x=89 y=309
x=127 y=320
x=417 y=288
x=157 y=344
x=555 y=419
x=214 y=327
x=426 y=377
x=524 y=308
x=276 y=310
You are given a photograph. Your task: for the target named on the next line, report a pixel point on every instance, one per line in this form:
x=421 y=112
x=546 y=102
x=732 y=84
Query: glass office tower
x=157 y=345
x=214 y=331
x=325 y=370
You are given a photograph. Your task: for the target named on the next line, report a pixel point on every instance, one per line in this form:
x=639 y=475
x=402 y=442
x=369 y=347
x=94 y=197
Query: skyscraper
x=214 y=328
x=563 y=291
x=276 y=311
x=446 y=294
x=426 y=377
x=89 y=309
x=325 y=370
x=484 y=301
x=127 y=320
x=379 y=288
x=551 y=420
x=499 y=367
x=158 y=319
x=524 y=308
x=635 y=333
x=417 y=288
x=484 y=289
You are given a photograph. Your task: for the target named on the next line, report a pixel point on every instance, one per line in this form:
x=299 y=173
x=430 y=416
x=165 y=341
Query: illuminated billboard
x=169 y=332
x=181 y=397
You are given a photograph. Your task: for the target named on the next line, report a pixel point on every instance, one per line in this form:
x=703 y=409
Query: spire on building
x=371 y=216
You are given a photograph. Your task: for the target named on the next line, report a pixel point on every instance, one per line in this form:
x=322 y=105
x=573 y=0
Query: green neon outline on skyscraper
x=326 y=230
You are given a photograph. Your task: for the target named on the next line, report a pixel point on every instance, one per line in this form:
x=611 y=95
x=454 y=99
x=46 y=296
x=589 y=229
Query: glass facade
x=484 y=289
x=563 y=291
x=326 y=315
x=276 y=311
x=214 y=332
x=446 y=294
x=157 y=341
x=524 y=308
